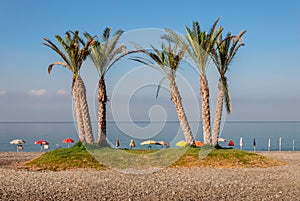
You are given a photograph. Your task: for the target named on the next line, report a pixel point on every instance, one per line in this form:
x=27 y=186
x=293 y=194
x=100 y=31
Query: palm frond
x=226 y=95
x=72 y=53
x=106 y=34
x=56 y=49
x=167 y=59
x=106 y=52
x=57 y=63
x=159 y=86
x=222 y=55
x=142 y=61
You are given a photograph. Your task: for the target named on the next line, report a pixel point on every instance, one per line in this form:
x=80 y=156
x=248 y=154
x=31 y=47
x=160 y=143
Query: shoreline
x=273 y=183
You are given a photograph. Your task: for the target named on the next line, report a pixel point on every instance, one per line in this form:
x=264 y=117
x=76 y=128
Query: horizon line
x=148 y=121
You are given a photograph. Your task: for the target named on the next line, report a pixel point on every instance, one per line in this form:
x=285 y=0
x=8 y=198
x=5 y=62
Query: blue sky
x=264 y=78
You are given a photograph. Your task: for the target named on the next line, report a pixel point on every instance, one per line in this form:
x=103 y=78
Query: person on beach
x=132 y=143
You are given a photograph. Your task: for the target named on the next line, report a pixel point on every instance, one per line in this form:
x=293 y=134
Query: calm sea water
x=54 y=133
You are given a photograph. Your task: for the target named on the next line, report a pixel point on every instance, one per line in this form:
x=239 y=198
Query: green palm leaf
x=222 y=56
x=72 y=52
x=105 y=53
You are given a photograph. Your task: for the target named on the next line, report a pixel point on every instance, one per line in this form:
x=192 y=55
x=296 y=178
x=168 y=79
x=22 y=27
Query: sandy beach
x=276 y=183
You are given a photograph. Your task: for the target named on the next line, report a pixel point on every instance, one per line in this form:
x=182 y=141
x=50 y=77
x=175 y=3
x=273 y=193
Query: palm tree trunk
x=102 y=99
x=204 y=92
x=78 y=114
x=218 y=114
x=85 y=111
x=175 y=96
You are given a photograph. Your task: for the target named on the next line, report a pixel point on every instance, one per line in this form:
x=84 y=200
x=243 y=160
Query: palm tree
x=167 y=61
x=199 y=45
x=222 y=56
x=104 y=54
x=73 y=56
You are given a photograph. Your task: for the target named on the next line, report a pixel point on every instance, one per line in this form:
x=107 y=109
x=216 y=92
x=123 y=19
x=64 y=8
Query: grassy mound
x=68 y=158
x=78 y=157
x=225 y=158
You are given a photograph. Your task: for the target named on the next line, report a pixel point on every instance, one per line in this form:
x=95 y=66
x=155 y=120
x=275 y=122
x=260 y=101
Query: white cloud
x=37 y=92
x=2 y=92
x=62 y=92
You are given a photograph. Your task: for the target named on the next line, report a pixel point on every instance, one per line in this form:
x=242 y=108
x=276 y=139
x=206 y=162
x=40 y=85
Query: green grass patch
x=68 y=158
x=94 y=157
x=225 y=158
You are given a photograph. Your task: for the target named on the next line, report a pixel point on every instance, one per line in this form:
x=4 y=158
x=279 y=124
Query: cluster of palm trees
x=199 y=45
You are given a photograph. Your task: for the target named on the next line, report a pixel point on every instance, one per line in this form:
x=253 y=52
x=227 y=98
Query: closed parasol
x=117 y=142
x=231 y=143
x=132 y=143
x=241 y=143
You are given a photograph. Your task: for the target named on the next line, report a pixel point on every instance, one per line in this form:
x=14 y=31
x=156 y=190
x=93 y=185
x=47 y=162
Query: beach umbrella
x=164 y=143
x=231 y=143
x=181 y=144
x=68 y=141
x=293 y=144
x=41 y=142
x=254 y=144
x=269 y=144
x=149 y=143
x=198 y=143
x=280 y=144
x=221 y=140
x=132 y=143
x=117 y=142
x=241 y=143
x=18 y=142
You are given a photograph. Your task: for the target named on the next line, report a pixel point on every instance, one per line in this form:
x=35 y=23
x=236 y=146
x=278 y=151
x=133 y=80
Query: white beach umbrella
x=17 y=141
x=221 y=140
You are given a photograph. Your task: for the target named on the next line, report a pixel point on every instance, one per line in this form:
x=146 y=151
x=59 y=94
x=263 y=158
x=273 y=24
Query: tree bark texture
x=78 y=114
x=204 y=92
x=102 y=99
x=218 y=114
x=175 y=96
x=84 y=111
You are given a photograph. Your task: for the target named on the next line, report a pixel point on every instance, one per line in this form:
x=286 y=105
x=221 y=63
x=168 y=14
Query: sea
x=283 y=135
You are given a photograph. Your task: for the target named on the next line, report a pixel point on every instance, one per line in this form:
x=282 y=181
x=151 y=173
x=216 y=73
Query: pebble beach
x=275 y=183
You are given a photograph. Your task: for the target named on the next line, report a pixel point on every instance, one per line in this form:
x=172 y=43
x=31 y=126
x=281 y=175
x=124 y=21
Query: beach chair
x=20 y=147
x=46 y=147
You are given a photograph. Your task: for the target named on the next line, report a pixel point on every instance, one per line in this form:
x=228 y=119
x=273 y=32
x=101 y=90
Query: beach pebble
x=276 y=183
